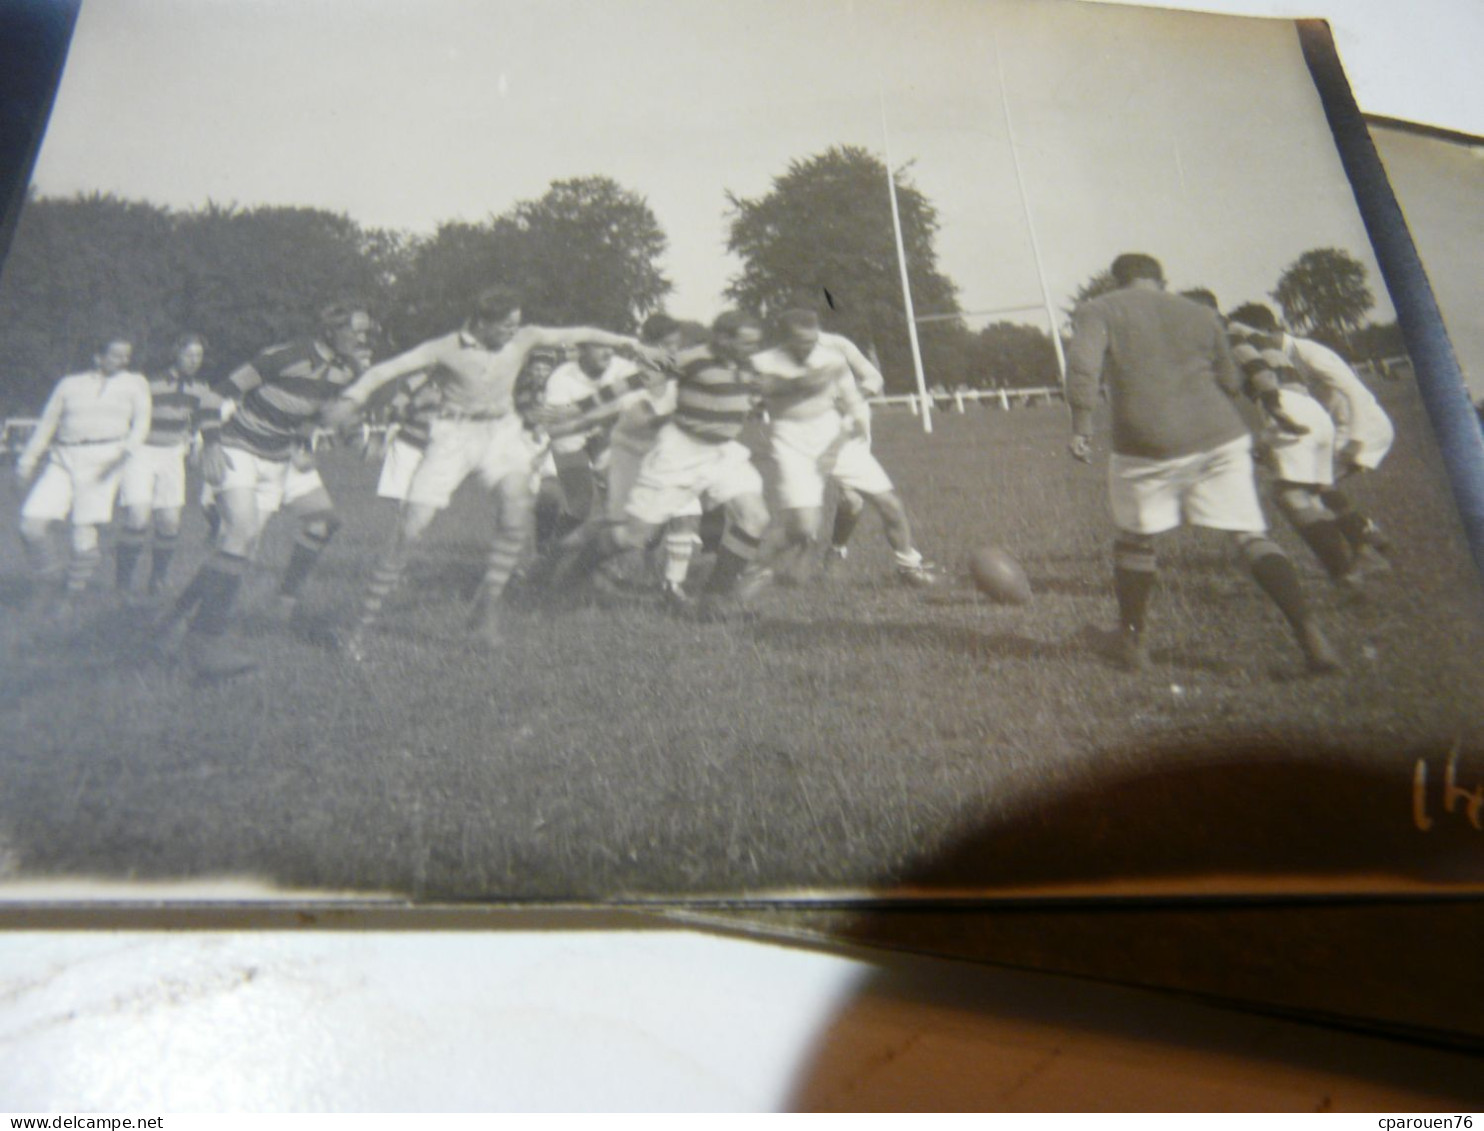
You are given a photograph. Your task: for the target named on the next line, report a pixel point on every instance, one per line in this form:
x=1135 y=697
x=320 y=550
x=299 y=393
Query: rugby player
x=696 y=458
x=264 y=453
x=820 y=428
x=91 y=426
x=153 y=490
x=1363 y=433
x=1181 y=451
x=1299 y=439
x=403 y=444
x=476 y=432
x=638 y=407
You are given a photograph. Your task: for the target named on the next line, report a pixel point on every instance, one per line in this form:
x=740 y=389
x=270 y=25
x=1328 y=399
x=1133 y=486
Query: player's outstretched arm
x=352 y=400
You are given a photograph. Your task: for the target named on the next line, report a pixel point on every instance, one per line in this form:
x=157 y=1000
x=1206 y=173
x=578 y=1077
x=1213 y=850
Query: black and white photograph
x=612 y=452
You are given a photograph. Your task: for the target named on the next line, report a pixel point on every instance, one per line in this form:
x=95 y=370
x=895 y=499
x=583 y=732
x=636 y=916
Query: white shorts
x=154 y=478
x=1310 y=458
x=77 y=480
x=397 y=468
x=1215 y=489
x=681 y=471
x=492 y=449
x=274 y=483
x=623 y=472
x=798 y=448
x=1374 y=436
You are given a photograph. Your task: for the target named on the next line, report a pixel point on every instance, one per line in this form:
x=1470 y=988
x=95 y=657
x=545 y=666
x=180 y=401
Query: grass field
x=859 y=735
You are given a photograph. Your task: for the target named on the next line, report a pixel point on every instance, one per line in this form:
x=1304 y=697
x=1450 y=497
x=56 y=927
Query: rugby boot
x=215 y=658
x=1131 y=651
x=1319 y=653
x=917 y=576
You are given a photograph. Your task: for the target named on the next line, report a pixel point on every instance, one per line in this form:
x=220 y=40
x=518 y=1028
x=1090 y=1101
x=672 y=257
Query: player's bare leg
x=911 y=569
x=517 y=507
x=848 y=510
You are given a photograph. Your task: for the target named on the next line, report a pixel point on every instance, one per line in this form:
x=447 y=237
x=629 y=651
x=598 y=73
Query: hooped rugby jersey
x=181 y=406
x=713 y=397
x=280 y=394
x=414 y=409
x=1258 y=352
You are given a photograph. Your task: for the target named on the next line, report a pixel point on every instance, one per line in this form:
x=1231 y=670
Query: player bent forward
x=1355 y=437
x=1181 y=452
x=476 y=431
x=697 y=457
x=92 y=423
x=265 y=451
x=821 y=428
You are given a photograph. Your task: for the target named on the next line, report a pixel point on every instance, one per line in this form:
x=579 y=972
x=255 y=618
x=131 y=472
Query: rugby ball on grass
x=999 y=576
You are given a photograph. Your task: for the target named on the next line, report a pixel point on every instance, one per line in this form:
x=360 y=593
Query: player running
x=1363 y=433
x=821 y=428
x=1299 y=439
x=265 y=449
x=1181 y=452
x=153 y=490
x=476 y=432
x=92 y=424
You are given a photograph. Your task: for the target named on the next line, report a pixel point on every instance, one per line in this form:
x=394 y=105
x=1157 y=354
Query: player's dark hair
x=656 y=328
x=729 y=322
x=338 y=315
x=186 y=340
x=103 y=341
x=1256 y=315
x=1203 y=296
x=494 y=304
x=1134 y=265
x=798 y=318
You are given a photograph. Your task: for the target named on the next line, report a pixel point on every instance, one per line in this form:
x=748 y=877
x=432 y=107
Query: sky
x=1196 y=138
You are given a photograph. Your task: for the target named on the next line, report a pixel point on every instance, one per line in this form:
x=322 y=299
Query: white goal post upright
x=896 y=223
x=1030 y=223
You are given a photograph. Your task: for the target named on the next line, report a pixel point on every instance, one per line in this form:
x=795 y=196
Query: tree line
x=587 y=251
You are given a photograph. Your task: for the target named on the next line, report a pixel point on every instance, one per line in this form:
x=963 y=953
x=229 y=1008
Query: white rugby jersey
x=89 y=408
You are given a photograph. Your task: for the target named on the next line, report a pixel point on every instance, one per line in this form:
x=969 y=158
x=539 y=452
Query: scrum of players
x=604 y=455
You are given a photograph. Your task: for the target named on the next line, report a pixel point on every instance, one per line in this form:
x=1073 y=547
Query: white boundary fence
x=1003 y=399
x=15 y=431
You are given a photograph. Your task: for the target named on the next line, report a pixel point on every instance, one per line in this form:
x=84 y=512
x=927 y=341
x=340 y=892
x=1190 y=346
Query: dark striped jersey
x=414 y=408
x=280 y=394
x=1259 y=352
x=713 y=396
x=181 y=406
